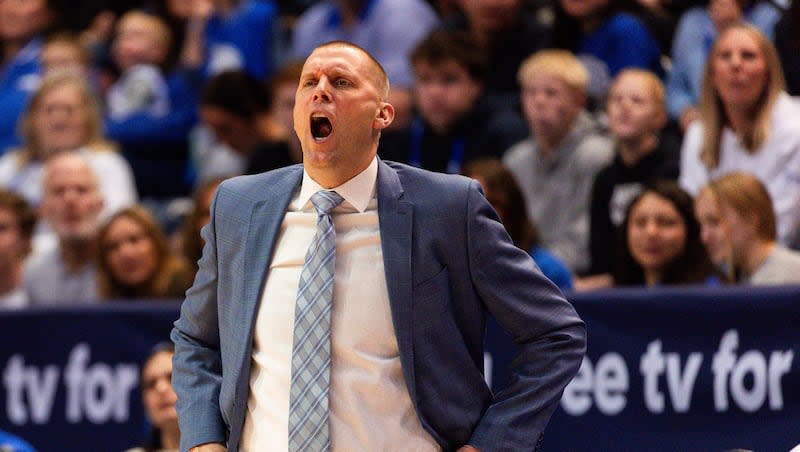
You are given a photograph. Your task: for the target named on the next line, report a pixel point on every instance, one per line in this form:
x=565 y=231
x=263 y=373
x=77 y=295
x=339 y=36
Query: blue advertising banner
x=680 y=370
x=666 y=370
x=71 y=376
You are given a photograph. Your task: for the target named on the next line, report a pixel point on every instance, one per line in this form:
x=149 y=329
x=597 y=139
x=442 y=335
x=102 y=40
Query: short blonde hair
x=657 y=89
x=557 y=63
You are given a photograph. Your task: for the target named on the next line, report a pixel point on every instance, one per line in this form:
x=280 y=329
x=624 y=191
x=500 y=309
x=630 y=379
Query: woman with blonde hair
x=135 y=260
x=748 y=122
x=62 y=116
x=746 y=209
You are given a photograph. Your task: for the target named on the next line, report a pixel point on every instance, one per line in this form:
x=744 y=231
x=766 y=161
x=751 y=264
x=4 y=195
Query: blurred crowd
x=622 y=143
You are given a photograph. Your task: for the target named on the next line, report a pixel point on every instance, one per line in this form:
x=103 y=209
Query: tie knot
x=325 y=201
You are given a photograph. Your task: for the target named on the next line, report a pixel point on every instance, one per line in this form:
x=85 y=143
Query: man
x=71 y=205
x=382 y=27
x=409 y=300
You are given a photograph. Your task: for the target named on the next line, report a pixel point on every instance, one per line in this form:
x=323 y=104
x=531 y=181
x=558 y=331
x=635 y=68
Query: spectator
x=63 y=116
x=64 y=52
x=747 y=124
x=239 y=109
x=508 y=34
x=696 y=31
x=746 y=208
x=608 y=37
x=17 y=220
x=714 y=232
x=556 y=166
x=454 y=123
x=506 y=198
x=787 y=41
x=645 y=151
x=151 y=109
x=159 y=399
x=191 y=244
x=388 y=29
x=71 y=205
x=22 y=26
x=134 y=260
x=661 y=244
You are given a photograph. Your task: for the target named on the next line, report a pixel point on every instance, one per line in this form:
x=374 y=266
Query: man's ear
x=385 y=116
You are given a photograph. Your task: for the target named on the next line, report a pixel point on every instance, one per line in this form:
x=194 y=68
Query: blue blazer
x=448 y=261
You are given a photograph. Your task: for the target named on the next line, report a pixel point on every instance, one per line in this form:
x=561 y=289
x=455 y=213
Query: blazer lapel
x=395 y=216
x=264 y=226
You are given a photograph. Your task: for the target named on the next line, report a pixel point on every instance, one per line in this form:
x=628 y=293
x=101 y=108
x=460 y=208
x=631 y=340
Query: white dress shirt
x=370 y=408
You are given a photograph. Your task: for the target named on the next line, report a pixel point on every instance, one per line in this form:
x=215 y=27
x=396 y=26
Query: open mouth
x=321 y=127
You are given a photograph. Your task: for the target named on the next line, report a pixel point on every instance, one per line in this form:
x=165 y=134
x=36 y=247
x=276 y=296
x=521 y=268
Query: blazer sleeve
x=545 y=326
x=197 y=366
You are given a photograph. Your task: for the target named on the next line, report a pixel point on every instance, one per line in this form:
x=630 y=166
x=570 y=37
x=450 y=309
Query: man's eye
x=342 y=82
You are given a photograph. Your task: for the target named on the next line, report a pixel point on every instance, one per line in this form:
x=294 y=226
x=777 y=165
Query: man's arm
x=197 y=366
x=544 y=325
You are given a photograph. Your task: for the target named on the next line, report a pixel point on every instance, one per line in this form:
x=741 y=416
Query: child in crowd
x=453 y=125
x=746 y=210
x=140 y=48
x=556 y=166
x=661 y=241
x=645 y=152
x=17 y=220
x=150 y=110
x=64 y=52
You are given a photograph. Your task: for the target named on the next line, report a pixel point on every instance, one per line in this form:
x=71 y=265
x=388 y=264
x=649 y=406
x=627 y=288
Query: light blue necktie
x=311 y=355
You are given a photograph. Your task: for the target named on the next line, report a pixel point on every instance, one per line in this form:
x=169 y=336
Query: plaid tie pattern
x=311 y=356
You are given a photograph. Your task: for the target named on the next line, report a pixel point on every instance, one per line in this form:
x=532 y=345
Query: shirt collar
x=357 y=192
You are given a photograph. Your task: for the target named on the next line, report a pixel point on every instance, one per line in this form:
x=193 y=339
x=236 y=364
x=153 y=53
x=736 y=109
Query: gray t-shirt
x=48 y=282
x=782 y=266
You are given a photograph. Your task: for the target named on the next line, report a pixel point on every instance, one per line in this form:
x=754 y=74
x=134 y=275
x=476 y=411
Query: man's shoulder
x=419 y=177
x=256 y=186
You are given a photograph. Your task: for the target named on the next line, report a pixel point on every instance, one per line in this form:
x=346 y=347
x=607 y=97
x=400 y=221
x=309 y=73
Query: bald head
x=72 y=202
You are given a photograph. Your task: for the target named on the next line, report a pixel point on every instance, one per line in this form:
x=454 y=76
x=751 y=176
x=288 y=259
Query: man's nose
x=322 y=90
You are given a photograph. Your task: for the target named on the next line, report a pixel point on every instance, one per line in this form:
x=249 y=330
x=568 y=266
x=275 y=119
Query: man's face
x=13 y=246
x=550 y=106
x=339 y=112
x=445 y=93
x=71 y=203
